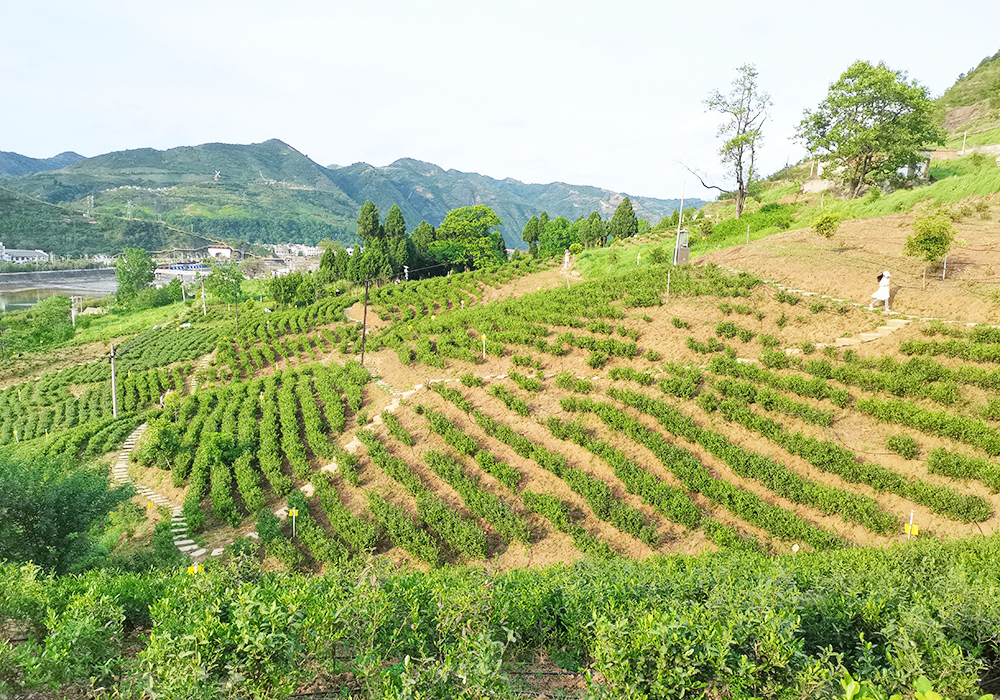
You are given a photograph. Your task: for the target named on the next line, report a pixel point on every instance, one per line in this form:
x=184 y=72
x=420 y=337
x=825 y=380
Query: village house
x=21 y=257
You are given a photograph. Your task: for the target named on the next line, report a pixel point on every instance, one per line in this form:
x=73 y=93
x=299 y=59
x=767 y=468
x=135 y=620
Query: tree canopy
x=134 y=271
x=47 y=508
x=467 y=238
x=623 y=223
x=932 y=237
x=226 y=280
x=872 y=123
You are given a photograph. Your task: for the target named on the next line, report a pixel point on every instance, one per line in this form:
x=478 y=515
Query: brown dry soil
x=847 y=266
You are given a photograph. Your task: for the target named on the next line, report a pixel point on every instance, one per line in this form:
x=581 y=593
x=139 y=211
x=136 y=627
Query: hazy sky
x=599 y=93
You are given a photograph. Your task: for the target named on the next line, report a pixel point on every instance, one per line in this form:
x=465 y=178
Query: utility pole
x=114 y=386
x=72 y=308
x=364 y=321
x=204 y=310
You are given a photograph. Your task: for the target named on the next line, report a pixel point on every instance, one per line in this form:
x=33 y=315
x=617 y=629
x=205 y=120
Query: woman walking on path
x=882 y=293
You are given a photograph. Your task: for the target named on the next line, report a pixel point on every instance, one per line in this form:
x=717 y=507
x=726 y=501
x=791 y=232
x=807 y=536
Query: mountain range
x=270 y=192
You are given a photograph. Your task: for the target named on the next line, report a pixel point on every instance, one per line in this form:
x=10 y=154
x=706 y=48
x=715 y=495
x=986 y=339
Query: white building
x=220 y=252
x=21 y=257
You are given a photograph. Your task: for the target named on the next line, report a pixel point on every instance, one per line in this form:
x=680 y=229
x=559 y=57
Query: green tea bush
x=904 y=445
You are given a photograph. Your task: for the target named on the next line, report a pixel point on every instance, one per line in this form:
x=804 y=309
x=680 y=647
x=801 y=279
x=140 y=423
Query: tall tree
x=745 y=111
x=530 y=236
x=226 y=280
x=282 y=287
x=369 y=227
x=593 y=231
x=376 y=252
x=467 y=238
x=872 y=123
x=557 y=238
x=341 y=263
x=401 y=249
x=421 y=238
x=623 y=223
x=134 y=271
x=328 y=259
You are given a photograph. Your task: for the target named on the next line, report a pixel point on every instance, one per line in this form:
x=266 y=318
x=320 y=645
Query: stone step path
x=178 y=525
x=892 y=325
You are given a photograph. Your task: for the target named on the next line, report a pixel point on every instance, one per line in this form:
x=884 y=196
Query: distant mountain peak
x=14 y=164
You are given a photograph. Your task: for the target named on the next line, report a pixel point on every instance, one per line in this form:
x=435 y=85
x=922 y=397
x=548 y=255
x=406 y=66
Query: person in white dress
x=882 y=293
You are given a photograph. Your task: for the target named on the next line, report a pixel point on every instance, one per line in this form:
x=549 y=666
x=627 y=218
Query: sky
x=609 y=94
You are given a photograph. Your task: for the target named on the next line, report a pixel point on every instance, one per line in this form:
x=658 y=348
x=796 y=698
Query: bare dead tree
x=746 y=110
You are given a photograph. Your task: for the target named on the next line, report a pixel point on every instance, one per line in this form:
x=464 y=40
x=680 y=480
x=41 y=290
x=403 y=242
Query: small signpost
x=484 y=347
x=293 y=512
x=910 y=528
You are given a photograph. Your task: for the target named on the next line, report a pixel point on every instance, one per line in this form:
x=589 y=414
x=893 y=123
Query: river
x=14 y=297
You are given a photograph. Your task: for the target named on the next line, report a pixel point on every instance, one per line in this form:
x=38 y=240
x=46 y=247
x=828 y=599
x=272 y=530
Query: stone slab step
x=885 y=330
x=218 y=551
x=198 y=553
x=897 y=322
x=844 y=342
x=863 y=337
x=188 y=548
x=183 y=543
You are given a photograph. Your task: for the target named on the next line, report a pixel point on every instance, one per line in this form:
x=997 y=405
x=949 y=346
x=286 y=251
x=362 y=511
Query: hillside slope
x=970 y=108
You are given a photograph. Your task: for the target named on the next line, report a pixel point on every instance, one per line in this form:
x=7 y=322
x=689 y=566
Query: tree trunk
x=741 y=197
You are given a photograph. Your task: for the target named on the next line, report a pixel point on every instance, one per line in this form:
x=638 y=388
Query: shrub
x=596 y=360
x=904 y=445
x=826 y=225
x=470 y=380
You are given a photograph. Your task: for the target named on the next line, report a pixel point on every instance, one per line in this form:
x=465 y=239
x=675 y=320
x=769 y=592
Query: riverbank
x=53 y=279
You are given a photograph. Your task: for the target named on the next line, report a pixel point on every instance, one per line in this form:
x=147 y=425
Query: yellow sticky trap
x=912 y=530
x=195 y=569
x=294 y=512
x=150 y=505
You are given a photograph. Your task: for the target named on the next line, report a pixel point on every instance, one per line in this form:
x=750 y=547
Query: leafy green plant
x=826 y=225
x=904 y=445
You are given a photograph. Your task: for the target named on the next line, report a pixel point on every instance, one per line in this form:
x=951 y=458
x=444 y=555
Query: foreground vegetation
x=736 y=624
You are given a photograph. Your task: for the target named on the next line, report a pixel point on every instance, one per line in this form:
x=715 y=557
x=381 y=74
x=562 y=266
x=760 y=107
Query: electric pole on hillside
x=364 y=321
x=204 y=309
x=114 y=385
x=73 y=301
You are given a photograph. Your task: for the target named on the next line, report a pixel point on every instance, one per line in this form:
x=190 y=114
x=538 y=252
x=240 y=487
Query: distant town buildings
x=296 y=250
x=22 y=257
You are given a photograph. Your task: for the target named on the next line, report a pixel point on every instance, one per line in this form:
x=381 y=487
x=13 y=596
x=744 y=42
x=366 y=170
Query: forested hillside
x=269 y=192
